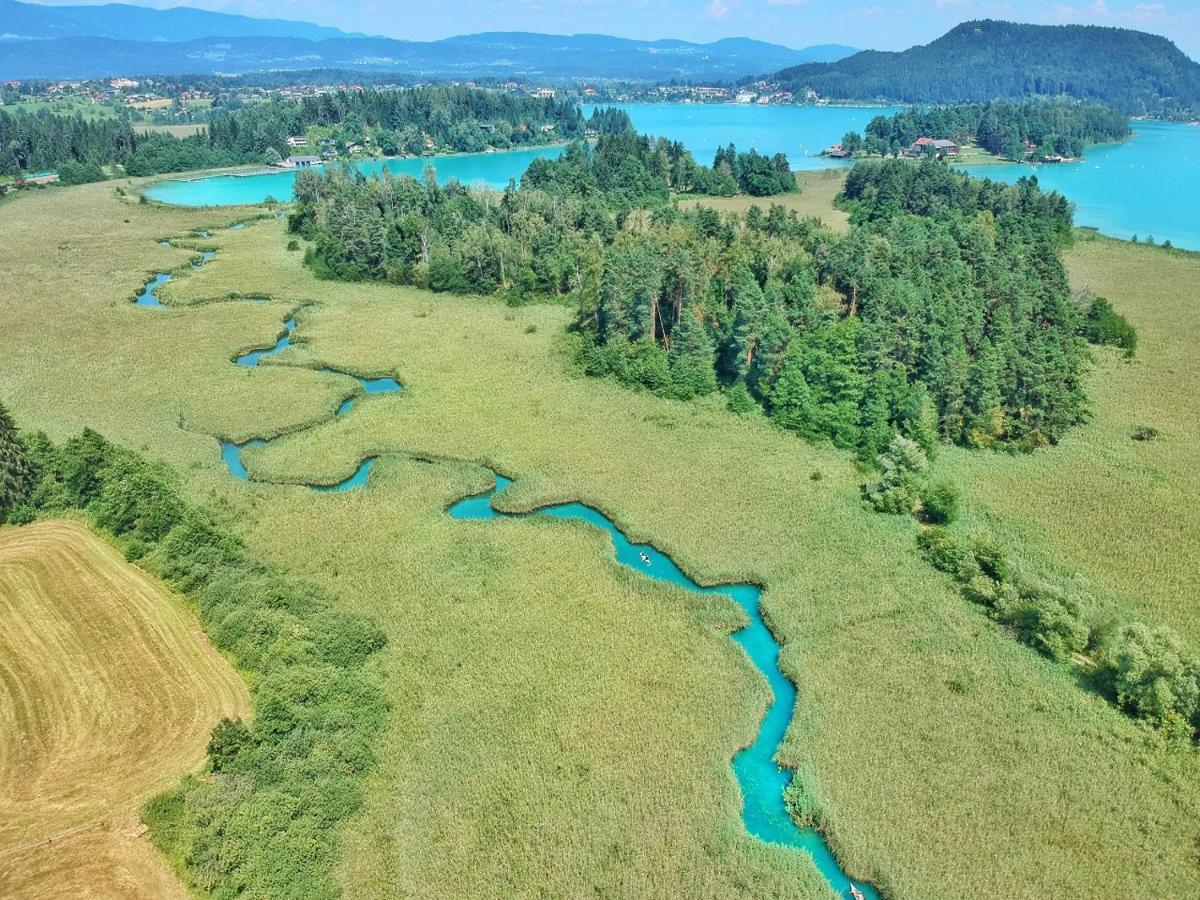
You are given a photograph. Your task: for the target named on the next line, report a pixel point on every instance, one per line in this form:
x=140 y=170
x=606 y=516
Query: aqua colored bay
x=1145 y=186
x=492 y=169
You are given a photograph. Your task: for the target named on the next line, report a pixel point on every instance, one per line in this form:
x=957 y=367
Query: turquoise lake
x=492 y=169
x=1147 y=186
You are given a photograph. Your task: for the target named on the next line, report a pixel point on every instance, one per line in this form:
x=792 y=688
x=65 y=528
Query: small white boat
x=645 y=557
x=856 y=893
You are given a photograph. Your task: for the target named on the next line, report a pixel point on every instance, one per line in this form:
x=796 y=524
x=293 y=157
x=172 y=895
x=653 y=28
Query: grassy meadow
x=108 y=692
x=1118 y=511
x=561 y=727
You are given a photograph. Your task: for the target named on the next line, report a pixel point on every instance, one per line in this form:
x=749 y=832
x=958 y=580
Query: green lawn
x=561 y=727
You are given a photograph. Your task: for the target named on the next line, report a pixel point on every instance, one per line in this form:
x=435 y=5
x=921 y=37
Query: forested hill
x=1134 y=72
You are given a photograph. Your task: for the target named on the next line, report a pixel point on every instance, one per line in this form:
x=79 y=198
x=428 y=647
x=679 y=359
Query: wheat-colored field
x=108 y=692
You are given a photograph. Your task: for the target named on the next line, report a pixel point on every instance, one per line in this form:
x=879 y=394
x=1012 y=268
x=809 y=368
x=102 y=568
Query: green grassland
x=1118 y=511
x=561 y=727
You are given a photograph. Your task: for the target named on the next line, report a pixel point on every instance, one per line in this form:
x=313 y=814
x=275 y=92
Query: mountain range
x=1132 y=71
x=117 y=39
x=124 y=21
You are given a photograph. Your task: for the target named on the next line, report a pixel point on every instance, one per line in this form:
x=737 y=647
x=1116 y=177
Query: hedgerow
x=263 y=819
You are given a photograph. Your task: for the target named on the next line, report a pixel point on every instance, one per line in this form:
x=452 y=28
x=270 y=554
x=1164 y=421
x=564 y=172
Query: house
x=543 y=93
x=297 y=140
x=298 y=162
x=354 y=149
x=835 y=152
x=939 y=146
x=488 y=127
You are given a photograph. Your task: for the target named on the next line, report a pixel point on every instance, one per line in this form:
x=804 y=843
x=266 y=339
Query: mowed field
x=814 y=198
x=559 y=725
x=108 y=692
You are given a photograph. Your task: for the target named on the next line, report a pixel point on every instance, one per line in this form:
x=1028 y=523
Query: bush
x=948 y=553
x=1104 y=325
x=1152 y=675
x=939 y=503
x=293 y=244
x=901 y=481
x=1045 y=618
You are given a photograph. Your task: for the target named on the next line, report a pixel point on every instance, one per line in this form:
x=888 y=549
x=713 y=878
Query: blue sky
x=877 y=24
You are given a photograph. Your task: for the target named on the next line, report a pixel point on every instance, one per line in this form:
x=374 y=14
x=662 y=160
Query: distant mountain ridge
x=490 y=55
x=1135 y=72
x=123 y=21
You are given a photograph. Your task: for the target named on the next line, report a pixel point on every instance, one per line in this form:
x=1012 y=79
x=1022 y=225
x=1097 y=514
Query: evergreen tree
x=17 y=473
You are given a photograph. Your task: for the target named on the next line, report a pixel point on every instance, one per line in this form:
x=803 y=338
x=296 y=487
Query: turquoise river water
x=1146 y=186
x=762 y=781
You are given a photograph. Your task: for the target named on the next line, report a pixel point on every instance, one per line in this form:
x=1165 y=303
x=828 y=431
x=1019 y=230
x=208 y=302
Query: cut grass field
x=561 y=726
x=186 y=129
x=108 y=693
x=814 y=199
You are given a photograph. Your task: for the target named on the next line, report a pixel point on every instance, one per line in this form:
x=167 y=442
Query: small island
x=982 y=133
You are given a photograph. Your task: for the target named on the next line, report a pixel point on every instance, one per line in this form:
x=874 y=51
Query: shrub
x=902 y=471
x=1104 y=325
x=1045 y=618
x=939 y=503
x=293 y=244
x=991 y=557
x=1151 y=674
x=948 y=553
x=739 y=401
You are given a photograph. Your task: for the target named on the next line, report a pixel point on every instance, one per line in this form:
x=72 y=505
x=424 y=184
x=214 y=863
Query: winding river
x=761 y=779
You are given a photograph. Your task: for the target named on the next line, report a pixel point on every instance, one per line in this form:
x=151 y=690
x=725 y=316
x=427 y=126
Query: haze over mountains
x=97 y=41
x=1132 y=71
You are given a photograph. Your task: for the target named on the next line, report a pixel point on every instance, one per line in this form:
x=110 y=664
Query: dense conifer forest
x=1014 y=130
x=945 y=314
x=1134 y=72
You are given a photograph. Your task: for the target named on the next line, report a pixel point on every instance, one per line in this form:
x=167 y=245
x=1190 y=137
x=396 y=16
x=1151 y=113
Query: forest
x=459 y=119
x=944 y=315
x=453 y=118
x=1016 y=131
x=1133 y=72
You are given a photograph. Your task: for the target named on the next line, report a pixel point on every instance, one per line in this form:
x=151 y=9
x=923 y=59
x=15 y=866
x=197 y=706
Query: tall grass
x=558 y=724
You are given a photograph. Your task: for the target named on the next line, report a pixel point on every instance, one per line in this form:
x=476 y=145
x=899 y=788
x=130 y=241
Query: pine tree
x=16 y=472
x=693 y=358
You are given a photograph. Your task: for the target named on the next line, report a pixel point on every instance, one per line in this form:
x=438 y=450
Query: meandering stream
x=761 y=779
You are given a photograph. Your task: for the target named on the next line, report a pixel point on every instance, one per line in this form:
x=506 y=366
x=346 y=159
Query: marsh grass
x=561 y=725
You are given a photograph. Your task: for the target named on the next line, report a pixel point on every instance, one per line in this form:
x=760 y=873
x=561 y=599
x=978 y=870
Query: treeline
x=77 y=148
x=35 y=142
x=945 y=313
x=264 y=819
x=454 y=118
x=451 y=118
x=1013 y=130
x=535 y=241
